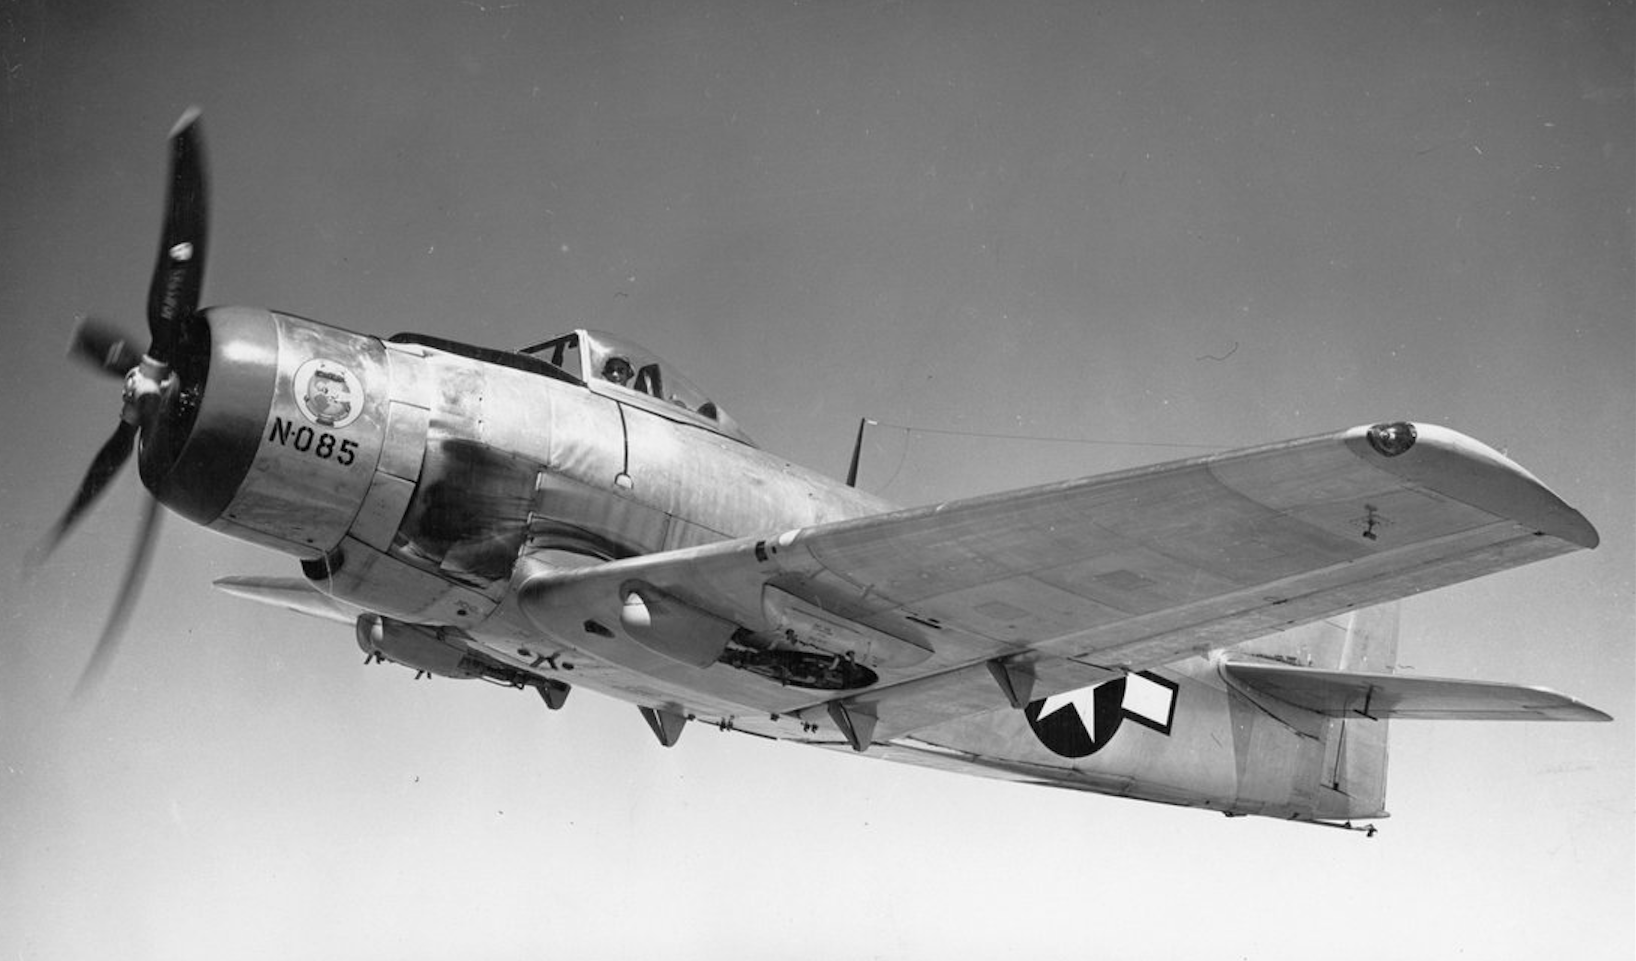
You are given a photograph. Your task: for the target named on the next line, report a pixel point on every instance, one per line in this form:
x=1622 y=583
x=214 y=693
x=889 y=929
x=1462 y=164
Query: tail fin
x=1355 y=750
x=1292 y=726
x=1351 y=781
x=1371 y=640
x=1358 y=769
x=1364 y=640
x=1339 y=675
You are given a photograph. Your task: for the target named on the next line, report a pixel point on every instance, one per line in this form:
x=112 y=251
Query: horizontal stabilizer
x=292 y=593
x=1381 y=696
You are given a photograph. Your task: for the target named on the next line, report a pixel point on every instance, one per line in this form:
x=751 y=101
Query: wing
x=295 y=594
x=1381 y=696
x=963 y=607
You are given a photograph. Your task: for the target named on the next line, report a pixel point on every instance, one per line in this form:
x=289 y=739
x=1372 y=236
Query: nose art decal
x=328 y=393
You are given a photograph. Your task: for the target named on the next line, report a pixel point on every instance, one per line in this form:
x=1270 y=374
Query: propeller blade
x=104 y=466
x=100 y=344
x=173 y=295
x=135 y=573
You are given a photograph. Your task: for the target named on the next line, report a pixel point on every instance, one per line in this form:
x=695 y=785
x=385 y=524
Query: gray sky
x=1174 y=223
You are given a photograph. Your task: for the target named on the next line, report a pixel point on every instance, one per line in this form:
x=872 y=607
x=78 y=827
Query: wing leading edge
x=295 y=594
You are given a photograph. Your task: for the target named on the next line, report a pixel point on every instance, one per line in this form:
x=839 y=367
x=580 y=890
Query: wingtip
x=1558 y=706
x=1469 y=470
x=1590 y=538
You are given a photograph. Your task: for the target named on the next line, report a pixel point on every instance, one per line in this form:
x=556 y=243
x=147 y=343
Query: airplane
x=1218 y=632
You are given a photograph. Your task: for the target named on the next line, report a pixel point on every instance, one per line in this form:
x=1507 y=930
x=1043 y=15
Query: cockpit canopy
x=621 y=370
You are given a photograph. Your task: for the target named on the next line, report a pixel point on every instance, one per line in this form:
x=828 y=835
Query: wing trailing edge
x=1382 y=696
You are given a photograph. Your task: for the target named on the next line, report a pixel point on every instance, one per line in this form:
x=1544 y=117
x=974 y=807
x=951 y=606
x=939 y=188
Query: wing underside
x=962 y=607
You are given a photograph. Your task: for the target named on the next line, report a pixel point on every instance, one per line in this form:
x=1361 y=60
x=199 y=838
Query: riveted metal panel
x=405 y=443
x=382 y=510
x=320 y=443
x=411 y=378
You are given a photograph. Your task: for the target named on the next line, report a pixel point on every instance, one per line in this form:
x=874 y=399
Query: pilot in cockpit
x=617 y=371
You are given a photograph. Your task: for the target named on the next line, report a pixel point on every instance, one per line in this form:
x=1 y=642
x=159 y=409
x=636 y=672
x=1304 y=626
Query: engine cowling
x=276 y=437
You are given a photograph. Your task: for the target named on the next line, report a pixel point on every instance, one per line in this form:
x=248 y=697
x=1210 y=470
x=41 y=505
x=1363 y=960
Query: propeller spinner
x=151 y=381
